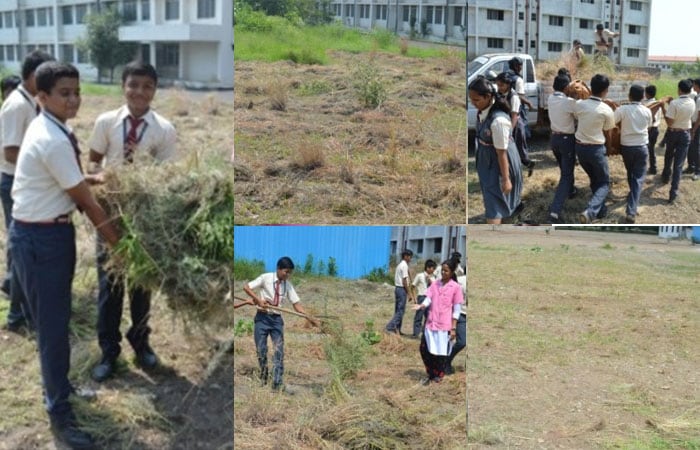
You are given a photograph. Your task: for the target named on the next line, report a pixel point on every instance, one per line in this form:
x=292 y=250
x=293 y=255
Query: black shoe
x=671 y=199
x=146 y=358
x=530 y=168
x=72 y=436
x=450 y=371
x=602 y=213
x=651 y=171
x=104 y=369
x=629 y=218
x=689 y=170
x=18 y=327
x=665 y=178
x=5 y=288
x=555 y=219
x=574 y=192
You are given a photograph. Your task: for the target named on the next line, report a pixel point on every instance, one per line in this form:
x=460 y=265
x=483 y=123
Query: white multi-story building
x=444 y=20
x=437 y=242
x=188 y=41
x=546 y=28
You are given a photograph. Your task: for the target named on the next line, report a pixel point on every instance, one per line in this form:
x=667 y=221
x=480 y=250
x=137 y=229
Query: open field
x=308 y=151
x=538 y=192
x=185 y=405
x=582 y=340
x=382 y=406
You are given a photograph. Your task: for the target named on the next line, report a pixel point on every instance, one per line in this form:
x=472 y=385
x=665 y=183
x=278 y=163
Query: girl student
x=444 y=298
x=497 y=160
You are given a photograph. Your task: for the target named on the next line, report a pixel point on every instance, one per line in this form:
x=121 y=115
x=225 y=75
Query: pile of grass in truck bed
x=177 y=237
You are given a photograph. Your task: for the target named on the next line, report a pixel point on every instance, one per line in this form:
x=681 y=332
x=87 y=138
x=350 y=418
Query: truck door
x=531 y=91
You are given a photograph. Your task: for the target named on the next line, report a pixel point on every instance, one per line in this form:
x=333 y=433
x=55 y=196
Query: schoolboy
x=678 y=118
x=48 y=187
x=422 y=282
x=273 y=288
x=402 y=290
x=650 y=97
x=17 y=112
x=634 y=120
x=595 y=118
x=119 y=136
x=563 y=144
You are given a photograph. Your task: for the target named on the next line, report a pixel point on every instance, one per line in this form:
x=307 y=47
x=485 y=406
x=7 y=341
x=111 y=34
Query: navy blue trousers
x=653 y=136
x=564 y=148
x=677 y=143
x=635 y=159
x=44 y=261
x=271 y=325
x=394 y=324
x=461 y=341
x=420 y=317
x=110 y=305
x=594 y=162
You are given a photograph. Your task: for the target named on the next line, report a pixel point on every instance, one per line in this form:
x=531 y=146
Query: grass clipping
x=177 y=235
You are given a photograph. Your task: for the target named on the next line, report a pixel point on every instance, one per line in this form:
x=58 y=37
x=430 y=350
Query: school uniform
x=601 y=40
x=653 y=135
x=444 y=300
x=421 y=282
x=274 y=291
x=563 y=144
x=18 y=111
x=42 y=243
x=493 y=131
x=694 y=148
x=120 y=138
x=594 y=116
x=635 y=120
x=461 y=338
x=400 y=294
x=521 y=131
x=677 y=141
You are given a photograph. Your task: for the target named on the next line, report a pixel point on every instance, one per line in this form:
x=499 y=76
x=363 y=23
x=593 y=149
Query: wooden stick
x=275 y=308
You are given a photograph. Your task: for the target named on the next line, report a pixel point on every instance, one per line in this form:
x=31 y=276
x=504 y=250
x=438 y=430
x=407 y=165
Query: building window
x=521 y=15
x=82 y=56
x=633 y=52
x=429 y=14
x=29 y=17
x=532 y=44
x=437 y=245
x=206 y=9
x=458 y=16
x=533 y=17
x=495 y=14
x=585 y=24
x=587 y=49
x=417 y=244
x=67 y=53
x=617 y=26
x=80 y=13
x=554 y=46
x=168 y=59
x=9 y=19
x=41 y=17
x=1 y=25
x=67 y=15
x=129 y=11
x=381 y=12
x=172 y=9
x=521 y=43
x=108 y=5
x=10 y=52
x=438 y=15
x=556 y=21
x=588 y=1
x=410 y=12
x=349 y=10
x=2 y=51
x=635 y=29
x=494 y=43
x=637 y=6
x=145 y=10
x=364 y=11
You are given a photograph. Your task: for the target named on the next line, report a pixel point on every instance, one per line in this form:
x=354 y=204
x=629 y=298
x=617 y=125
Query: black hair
x=650 y=90
x=34 y=60
x=456 y=256
x=139 y=68
x=406 y=252
x=636 y=93
x=599 y=26
x=599 y=83
x=9 y=83
x=429 y=263
x=452 y=264
x=49 y=72
x=285 y=262
x=685 y=86
x=696 y=82
x=505 y=77
x=576 y=41
x=484 y=87
x=514 y=62
x=564 y=71
x=561 y=82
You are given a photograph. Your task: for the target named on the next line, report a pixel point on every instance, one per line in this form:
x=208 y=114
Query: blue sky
x=674 y=28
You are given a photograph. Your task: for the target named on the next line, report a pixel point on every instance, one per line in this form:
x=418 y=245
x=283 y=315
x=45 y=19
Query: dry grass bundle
x=177 y=234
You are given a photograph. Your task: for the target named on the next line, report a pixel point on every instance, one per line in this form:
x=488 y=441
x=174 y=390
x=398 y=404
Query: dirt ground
x=327 y=159
x=185 y=405
x=582 y=340
x=538 y=192
x=386 y=406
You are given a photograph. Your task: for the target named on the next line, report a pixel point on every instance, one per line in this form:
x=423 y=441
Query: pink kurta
x=442 y=299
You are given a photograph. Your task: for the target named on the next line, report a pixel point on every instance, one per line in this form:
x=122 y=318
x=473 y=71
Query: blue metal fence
x=356 y=249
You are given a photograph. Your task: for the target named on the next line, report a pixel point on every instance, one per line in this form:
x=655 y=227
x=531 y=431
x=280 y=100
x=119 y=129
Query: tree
x=102 y=42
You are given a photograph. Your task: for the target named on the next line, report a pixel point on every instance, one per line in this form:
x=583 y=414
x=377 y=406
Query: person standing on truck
x=595 y=118
x=602 y=43
x=563 y=144
x=576 y=53
x=497 y=160
x=521 y=132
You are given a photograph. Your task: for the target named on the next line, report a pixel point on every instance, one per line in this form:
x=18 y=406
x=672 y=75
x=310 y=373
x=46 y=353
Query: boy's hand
x=416 y=307
x=506 y=185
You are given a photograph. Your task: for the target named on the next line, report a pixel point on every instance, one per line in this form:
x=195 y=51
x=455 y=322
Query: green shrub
x=244 y=327
x=315 y=87
x=332 y=267
x=308 y=264
x=369 y=85
x=345 y=354
x=303 y=56
x=369 y=336
x=244 y=269
x=378 y=275
x=383 y=38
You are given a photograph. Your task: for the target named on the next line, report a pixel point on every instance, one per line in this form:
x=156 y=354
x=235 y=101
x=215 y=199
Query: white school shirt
x=657 y=117
x=18 y=111
x=514 y=102
x=635 y=120
x=421 y=282
x=401 y=273
x=156 y=136
x=500 y=130
x=607 y=34
x=266 y=284
x=593 y=116
x=561 y=113
x=697 y=109
x=519 y=85
x=46 y=168
x=681 y=111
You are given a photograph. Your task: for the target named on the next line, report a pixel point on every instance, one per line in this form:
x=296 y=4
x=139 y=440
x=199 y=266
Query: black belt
x=58 y=220
x=589 y=145
x=678 y=129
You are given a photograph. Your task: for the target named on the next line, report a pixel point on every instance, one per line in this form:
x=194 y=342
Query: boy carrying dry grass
x=123 y=136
